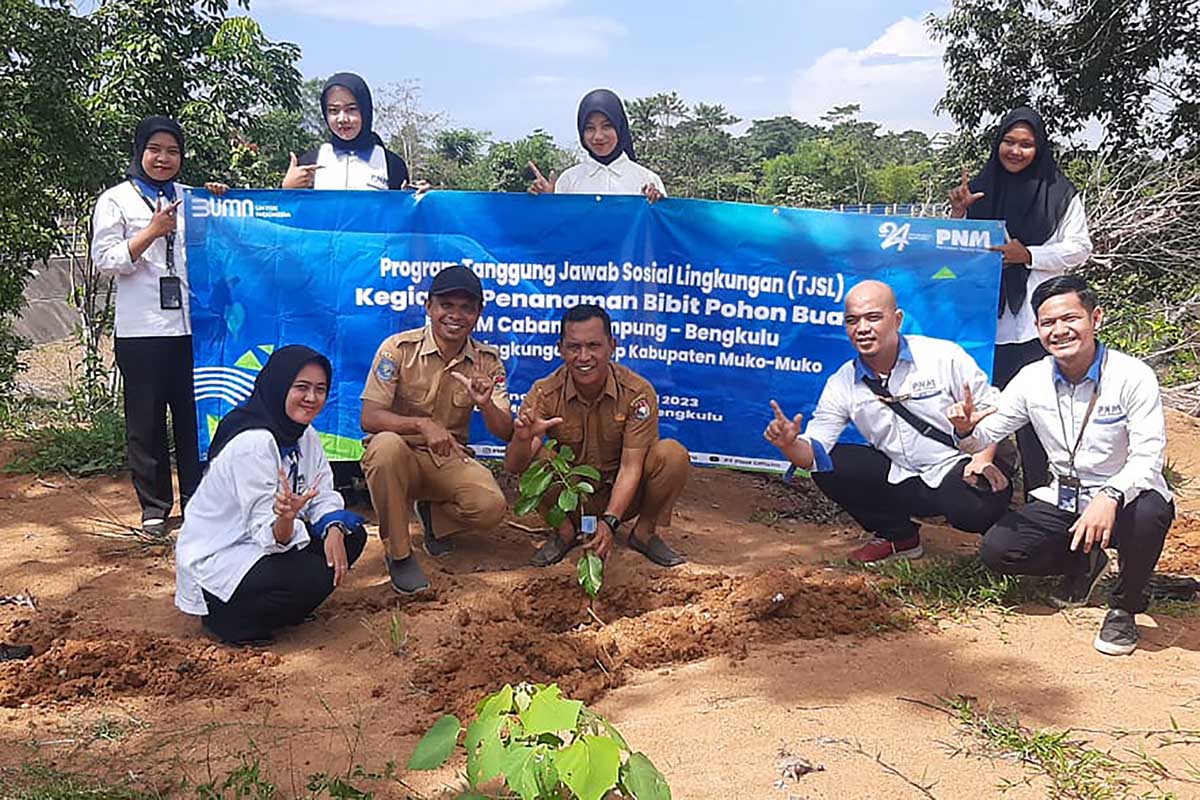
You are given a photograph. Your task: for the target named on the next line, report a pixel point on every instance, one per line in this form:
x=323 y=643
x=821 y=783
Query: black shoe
x=1075 y=590
x=657 y=551
x=1118 y=635
x=155 y=526
x=551 y=553
x=406 y=576
x=15 y=652
x=438 y=548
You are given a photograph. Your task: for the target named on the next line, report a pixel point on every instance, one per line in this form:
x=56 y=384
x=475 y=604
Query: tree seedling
x=544 y=747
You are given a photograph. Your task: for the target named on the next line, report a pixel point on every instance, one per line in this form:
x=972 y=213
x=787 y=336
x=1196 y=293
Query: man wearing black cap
x=417 y=405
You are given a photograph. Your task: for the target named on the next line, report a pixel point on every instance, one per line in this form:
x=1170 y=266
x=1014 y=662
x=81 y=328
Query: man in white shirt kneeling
x=895 y=392
x=1099 y=416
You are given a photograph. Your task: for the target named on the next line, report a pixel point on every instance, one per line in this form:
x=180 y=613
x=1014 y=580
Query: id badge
x=587 y=526
x=1068 y=494
x=170 y=293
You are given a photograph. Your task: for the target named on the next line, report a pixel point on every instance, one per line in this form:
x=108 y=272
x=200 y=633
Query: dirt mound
x=542 y=631
x=1181 y=554
x=798 y=499
x=73 y=664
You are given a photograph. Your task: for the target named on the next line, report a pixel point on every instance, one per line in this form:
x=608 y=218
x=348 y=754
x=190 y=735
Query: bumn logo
x=958 y=237
x=222 y=207
x=893 y=235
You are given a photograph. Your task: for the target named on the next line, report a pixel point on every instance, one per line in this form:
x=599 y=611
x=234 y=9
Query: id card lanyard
x=1069 y=485
x=170 y=287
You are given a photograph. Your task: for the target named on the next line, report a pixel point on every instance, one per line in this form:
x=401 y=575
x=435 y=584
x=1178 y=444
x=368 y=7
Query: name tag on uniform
x=1068 y=494
x=170 y=293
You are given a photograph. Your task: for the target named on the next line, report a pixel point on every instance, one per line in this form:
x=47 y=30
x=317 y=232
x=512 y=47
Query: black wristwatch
x=612 y=521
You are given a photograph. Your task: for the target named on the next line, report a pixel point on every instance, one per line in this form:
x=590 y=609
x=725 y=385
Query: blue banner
x=721 y=306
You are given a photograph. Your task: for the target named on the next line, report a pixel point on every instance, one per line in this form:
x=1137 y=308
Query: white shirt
x=1125 y=440
x=229 y=518
x=343 y=169
x=622 y=176
x=1068 y=247
x=928 y=376
x=120 y=214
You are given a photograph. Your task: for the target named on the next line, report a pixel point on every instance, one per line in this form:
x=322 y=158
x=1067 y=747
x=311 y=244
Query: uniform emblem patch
x=500 y=380
x=385 y=370
x=641 y=409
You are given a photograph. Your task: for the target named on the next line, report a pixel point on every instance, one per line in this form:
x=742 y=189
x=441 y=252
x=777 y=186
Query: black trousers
x=158 y=375
x=280 y=590
x=859 y=484
x=1035 y=540
x=1009 y=360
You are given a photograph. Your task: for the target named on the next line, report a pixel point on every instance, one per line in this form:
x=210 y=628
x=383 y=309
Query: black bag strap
x=921 y=426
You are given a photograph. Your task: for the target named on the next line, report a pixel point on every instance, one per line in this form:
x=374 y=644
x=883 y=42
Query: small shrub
x=91 y=449
x=545 y=747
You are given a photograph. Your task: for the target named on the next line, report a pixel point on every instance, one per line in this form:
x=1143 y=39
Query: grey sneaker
x=406 y=576
x=1118 y=635
x=438 y=548
x=1076 y=590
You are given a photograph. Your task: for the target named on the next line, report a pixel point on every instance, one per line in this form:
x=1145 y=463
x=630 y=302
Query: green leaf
x=532 y=477
x=567 y=453
x=496 y=703
x=642 y=779
x=555 y=517
x=437 y=744
x=526 y=505
x=520 y=771
x=485 y=750
x=587 y=471
x=568 y=500
x=585 y=487
x=548 y=712
x=551 y=443
x=590 y=766
x=591 y=573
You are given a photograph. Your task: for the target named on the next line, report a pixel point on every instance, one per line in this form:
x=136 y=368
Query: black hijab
x=1031 y=202
x=366 y=138
x=141 y=137
x=266 y=407
x=608 y=104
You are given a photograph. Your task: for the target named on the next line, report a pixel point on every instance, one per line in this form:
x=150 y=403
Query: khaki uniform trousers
x=462 y=493
x=664 y=475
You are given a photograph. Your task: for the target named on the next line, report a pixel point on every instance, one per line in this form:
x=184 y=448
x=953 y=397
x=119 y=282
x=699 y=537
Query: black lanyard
x=1086 y=416
x=170 y=237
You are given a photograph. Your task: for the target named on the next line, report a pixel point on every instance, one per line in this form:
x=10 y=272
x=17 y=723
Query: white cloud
x=897 y=79
x=410 y=14
x=553 y=35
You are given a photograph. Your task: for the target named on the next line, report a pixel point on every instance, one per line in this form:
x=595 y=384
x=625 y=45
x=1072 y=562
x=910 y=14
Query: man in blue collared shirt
x=895 y=391
x=1098 y=414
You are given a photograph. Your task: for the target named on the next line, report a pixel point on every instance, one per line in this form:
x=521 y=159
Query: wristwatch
x=612 y=521
x=1115 y=494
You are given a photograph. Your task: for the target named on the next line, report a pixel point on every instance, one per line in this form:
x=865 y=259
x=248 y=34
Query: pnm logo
x=958 y=237
x=222 y=207
x=894 y=236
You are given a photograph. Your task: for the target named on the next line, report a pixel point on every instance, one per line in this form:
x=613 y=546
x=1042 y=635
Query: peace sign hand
x=961 y=196
x=287 y=503
x=782 y=431
x=528 y=426
x=479 y=384
x=541 y=184
x=964 y=415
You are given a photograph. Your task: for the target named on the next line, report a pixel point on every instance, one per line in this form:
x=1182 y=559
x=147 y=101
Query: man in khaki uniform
x=608 y=415
x=417 y=405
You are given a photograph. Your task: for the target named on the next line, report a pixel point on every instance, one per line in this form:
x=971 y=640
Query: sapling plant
x=556 y=467
x=544 y=747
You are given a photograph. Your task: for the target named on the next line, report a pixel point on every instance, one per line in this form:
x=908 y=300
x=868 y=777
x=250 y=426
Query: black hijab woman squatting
x=610 y=166
x=1047 y=236
x=267 y=539
x=354 y=157
x=138 y=240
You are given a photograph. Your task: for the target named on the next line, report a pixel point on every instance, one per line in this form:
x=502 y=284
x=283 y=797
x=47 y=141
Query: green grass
x=36 y=782
x=942 y=587
x=72 y=448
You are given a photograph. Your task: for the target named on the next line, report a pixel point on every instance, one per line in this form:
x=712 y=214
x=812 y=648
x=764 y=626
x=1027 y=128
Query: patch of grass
x=769 y=517
x=92 y=449
x=37 y=782
x=1175 y=479
x=942 y=587
x=1072 y=768
x=1180 y=609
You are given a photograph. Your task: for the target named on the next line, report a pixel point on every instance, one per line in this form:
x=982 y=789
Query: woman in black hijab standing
x=1047 y=236
x=354 y=157
x=610 y=166
x=138 y=240
x=267 y=539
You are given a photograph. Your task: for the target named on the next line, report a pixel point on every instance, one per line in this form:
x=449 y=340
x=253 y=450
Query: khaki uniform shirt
x=410 y=377
x=624 y=416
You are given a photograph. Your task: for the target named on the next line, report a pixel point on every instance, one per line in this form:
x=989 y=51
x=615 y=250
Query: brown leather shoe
x=657 y=551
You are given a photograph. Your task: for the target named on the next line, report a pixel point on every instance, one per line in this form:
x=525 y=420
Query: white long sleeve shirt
x=622 y=176
x=1124 y=443
x=1068 y=247
x=929 y=376
x=342 y=169
x=230 y=517
x=121 y=213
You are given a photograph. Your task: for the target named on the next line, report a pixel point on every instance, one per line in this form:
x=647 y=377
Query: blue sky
x=510 y=66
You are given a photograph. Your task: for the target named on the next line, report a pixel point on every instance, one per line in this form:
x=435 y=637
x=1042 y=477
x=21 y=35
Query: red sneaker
x=877 y=551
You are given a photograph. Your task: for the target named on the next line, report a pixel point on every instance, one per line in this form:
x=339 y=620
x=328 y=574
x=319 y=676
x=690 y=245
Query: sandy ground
x=757 y=653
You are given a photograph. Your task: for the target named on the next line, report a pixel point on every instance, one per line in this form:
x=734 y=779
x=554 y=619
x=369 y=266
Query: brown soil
x=761 y=644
